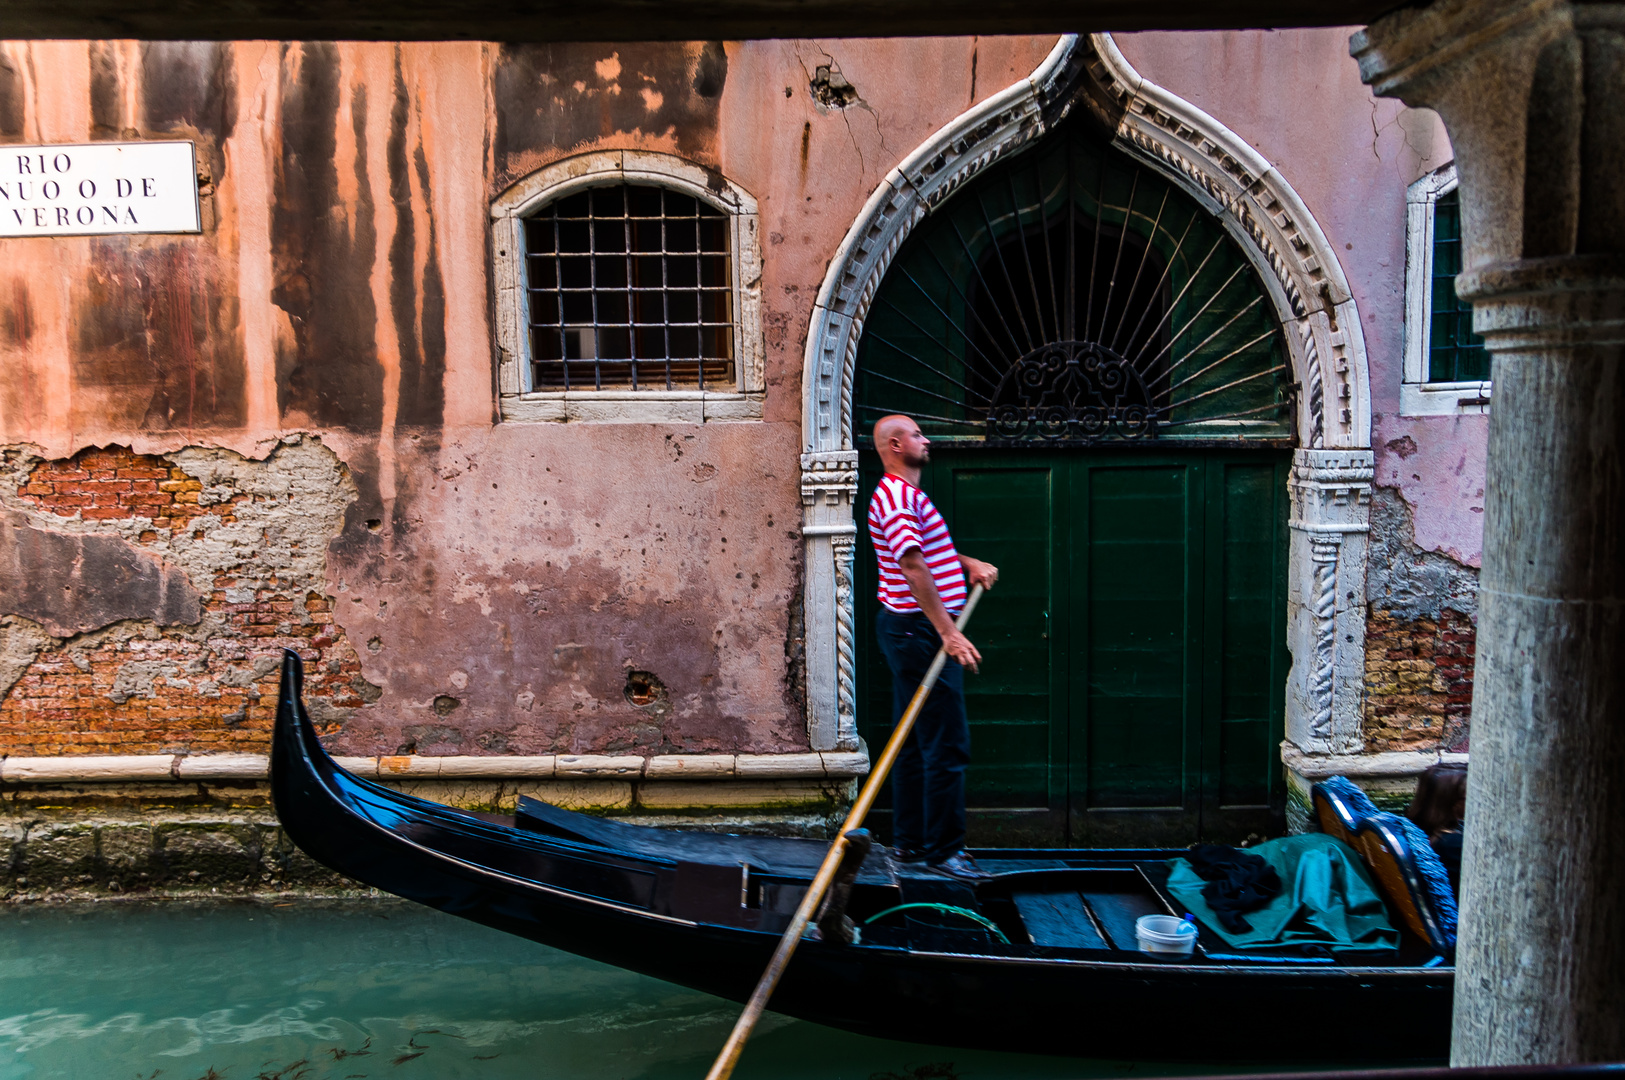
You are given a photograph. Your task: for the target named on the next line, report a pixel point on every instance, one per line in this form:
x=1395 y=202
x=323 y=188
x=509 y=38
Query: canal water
x=364 y=991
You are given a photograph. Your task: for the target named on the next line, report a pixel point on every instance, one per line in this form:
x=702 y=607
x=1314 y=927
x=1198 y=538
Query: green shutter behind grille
x=1455 y=353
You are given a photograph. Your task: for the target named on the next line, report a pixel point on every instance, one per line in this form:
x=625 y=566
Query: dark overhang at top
x=646 y=20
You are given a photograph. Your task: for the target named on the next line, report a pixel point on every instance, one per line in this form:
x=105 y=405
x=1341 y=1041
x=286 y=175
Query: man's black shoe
x=907 y=855
x=962 y=866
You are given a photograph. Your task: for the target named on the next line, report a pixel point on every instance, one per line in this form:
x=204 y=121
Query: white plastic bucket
x=1165 y=935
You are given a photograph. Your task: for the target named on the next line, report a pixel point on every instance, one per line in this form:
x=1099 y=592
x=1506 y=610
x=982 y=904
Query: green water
x=310 y=991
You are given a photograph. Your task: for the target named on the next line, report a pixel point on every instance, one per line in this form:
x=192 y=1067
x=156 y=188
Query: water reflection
x=324 y=991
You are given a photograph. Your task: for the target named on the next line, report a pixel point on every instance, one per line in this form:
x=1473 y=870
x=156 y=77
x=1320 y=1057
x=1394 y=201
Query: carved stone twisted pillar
x=1331 y=513
x=1532 y=95
x=829 y=483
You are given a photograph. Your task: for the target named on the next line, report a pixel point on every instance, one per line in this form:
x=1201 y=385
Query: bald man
x=923 y=585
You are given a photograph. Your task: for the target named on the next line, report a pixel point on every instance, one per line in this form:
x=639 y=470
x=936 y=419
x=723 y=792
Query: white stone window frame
x=519 y=403
x=1418 y=396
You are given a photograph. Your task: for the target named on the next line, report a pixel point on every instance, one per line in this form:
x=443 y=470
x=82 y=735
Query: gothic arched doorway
x=1110 y=399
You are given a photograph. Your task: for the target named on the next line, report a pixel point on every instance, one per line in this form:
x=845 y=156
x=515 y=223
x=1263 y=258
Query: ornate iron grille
x=1072 y=295
x=630 y=286
x=1073 y=390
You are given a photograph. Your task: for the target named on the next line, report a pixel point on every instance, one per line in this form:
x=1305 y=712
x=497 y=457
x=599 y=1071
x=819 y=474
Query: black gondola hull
x=596 y=903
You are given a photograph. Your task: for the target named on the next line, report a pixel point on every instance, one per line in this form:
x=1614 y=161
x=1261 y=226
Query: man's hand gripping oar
x=723 y=1067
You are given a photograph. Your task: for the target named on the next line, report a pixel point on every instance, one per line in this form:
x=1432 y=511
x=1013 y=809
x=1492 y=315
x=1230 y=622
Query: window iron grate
x=630 y=287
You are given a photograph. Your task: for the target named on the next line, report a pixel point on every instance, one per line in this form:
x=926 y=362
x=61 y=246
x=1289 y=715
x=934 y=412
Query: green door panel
x=1137 y=540
x=1003 y=512
x=1250 y=529
x=1133 y=678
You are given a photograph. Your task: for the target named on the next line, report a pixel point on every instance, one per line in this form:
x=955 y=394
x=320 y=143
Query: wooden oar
x=723 y=1067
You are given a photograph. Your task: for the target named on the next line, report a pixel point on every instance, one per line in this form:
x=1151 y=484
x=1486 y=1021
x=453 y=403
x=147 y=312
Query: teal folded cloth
x=1326 y=899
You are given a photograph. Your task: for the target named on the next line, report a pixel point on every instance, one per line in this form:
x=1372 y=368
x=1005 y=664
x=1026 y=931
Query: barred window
x=630 y=286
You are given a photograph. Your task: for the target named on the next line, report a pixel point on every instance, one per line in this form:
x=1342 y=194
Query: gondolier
x=923 y=584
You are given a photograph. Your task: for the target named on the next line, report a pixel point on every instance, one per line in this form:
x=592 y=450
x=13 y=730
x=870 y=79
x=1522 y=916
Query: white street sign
x=86 y=189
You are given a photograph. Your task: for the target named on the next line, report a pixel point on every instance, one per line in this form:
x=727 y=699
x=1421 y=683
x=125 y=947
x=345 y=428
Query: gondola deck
x=705 y=911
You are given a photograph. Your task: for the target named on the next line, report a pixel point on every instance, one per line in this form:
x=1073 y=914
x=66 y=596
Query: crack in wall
x=833 y=92
x=1403 y=578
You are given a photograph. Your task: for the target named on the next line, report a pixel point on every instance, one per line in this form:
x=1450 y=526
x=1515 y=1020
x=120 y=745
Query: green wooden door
x=1136 y=554
x=1134 y=666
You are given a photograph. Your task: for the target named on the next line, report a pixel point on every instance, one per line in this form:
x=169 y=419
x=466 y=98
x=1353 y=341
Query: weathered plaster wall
x=521 y=586
x=464 y=588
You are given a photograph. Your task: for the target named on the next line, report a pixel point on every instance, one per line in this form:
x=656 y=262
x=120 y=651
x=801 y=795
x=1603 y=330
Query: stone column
x=1331 y=515
x=829 y=483
x=1533 y=94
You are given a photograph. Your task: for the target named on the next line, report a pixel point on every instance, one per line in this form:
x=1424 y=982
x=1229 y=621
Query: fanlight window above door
x=1073 y=295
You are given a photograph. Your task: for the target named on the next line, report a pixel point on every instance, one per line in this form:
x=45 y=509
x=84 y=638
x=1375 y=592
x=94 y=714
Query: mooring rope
x=948 y=909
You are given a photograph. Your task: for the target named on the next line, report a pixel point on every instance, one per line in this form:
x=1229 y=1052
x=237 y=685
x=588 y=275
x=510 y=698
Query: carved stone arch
x=1305 y=282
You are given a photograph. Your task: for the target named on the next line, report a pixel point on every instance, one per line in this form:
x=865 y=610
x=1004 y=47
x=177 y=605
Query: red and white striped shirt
x=901 y=518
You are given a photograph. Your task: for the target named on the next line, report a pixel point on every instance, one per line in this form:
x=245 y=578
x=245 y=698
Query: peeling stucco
x=251 y=555
x=21 y=642
x=1421 y=638
x=1405 y=579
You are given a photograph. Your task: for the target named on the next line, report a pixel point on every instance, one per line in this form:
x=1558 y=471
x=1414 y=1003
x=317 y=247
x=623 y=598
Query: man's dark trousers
x=928 y=781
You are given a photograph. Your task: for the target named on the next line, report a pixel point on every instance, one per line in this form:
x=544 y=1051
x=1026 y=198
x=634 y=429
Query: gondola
x=1040 y=959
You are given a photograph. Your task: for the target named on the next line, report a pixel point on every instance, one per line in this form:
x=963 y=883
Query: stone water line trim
x=197 y=767
x=1394 y=763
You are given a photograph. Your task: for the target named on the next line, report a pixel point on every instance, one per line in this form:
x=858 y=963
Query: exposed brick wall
x=1418 y=681
x=244 y=534
x=114 y=696
x=101 y=485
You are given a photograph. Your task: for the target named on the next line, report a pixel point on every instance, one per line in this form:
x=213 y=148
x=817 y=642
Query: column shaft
x=1541 y=960
x=1530 y=91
